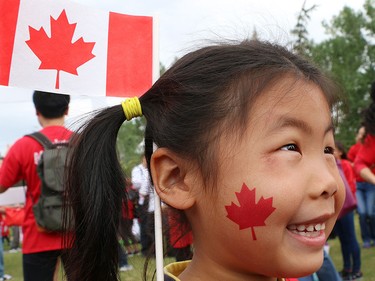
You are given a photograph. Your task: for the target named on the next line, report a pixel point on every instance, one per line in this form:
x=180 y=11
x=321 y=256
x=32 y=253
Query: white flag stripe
x=155 y=51
x=25 y=69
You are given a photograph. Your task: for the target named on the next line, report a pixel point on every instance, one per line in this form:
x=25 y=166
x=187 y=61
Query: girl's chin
x=303 y=269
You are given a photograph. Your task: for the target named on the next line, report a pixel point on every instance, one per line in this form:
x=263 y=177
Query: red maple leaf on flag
x=58 y=52
x=249 y=213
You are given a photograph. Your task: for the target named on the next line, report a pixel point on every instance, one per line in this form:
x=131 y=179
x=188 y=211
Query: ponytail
x=96 y=198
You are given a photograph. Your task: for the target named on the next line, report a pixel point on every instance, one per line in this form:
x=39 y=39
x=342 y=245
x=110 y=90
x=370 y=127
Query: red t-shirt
x=353 y=151
x=352 y=154
x=128 y=213
x=20 y=163
x=347 y=168
x=181 y=235
x=4 y=227
x=365 y=156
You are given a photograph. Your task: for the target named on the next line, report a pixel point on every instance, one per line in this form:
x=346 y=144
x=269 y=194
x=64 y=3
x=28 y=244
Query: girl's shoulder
x=173 y=270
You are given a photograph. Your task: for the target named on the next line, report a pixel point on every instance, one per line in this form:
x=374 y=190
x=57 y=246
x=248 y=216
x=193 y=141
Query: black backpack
x=48 y=209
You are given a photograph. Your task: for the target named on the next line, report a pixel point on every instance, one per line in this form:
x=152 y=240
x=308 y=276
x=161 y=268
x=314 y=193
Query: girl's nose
x=326 y=183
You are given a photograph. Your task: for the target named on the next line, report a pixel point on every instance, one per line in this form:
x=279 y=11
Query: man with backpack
x=41 y=246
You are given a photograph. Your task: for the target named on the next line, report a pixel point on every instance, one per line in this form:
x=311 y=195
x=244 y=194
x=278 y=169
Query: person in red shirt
x=345 y=227
x=363 y=166
x=4 y=230
x=181 y=237
x=347 y=166
x=126 y=220
x=40 y=249
x=359 y=138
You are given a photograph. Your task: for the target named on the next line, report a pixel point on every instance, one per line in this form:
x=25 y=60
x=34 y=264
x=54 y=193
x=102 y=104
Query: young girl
x=239 y=138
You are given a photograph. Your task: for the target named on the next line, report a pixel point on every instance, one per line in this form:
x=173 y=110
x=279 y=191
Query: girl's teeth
x=307 y=234
x=307 y=228
x=301 y=228
x=310 y=228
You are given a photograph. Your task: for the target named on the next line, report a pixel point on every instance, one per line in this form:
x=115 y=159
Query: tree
x=302 y=43
x=348 y=55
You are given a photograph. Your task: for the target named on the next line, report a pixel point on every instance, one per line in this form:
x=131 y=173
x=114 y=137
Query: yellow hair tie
x=132 y=108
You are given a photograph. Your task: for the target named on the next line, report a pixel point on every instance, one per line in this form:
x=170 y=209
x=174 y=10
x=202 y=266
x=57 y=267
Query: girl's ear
x=173 y=179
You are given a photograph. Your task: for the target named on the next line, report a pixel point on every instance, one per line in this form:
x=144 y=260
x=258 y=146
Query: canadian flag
x=65 y=47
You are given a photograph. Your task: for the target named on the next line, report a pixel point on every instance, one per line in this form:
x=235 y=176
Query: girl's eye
x=329 y=150
x=290 y=147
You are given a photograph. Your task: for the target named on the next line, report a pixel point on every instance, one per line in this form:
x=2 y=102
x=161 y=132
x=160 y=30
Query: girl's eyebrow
x=285 y=122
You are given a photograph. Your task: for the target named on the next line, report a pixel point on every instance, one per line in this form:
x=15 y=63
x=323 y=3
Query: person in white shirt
x=141 y=182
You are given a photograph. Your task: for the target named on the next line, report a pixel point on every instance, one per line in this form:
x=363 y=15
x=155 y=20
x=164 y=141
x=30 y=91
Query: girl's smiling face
x=285 y=155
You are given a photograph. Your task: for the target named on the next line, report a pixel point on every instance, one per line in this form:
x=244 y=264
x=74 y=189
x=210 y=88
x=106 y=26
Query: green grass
x=13 y=262
x=13 y=266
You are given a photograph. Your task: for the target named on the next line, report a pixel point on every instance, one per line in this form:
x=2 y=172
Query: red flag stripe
x=129 y=42
x=8 y=14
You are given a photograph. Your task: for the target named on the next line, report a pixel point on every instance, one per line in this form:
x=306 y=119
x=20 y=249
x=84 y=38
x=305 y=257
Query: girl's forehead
x=290 y=100
x=289 y=93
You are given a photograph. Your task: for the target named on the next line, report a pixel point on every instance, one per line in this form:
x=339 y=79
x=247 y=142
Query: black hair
x=51 y=105
x=340 y=146
x=206 y=93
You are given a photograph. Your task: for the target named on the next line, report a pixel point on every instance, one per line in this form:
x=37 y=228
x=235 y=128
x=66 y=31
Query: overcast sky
x=182 y=25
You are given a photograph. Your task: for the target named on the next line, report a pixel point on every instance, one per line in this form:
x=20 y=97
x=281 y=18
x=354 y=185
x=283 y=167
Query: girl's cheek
x=248 y=213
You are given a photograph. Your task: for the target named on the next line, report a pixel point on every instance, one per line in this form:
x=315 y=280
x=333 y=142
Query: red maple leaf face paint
x=249 y=213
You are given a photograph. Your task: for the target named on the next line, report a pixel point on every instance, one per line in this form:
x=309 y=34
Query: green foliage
x=130 y=144
x=348 y=54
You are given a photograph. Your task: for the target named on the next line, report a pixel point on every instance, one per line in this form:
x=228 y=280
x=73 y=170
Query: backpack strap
x=42 y=139
x=46 y=143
